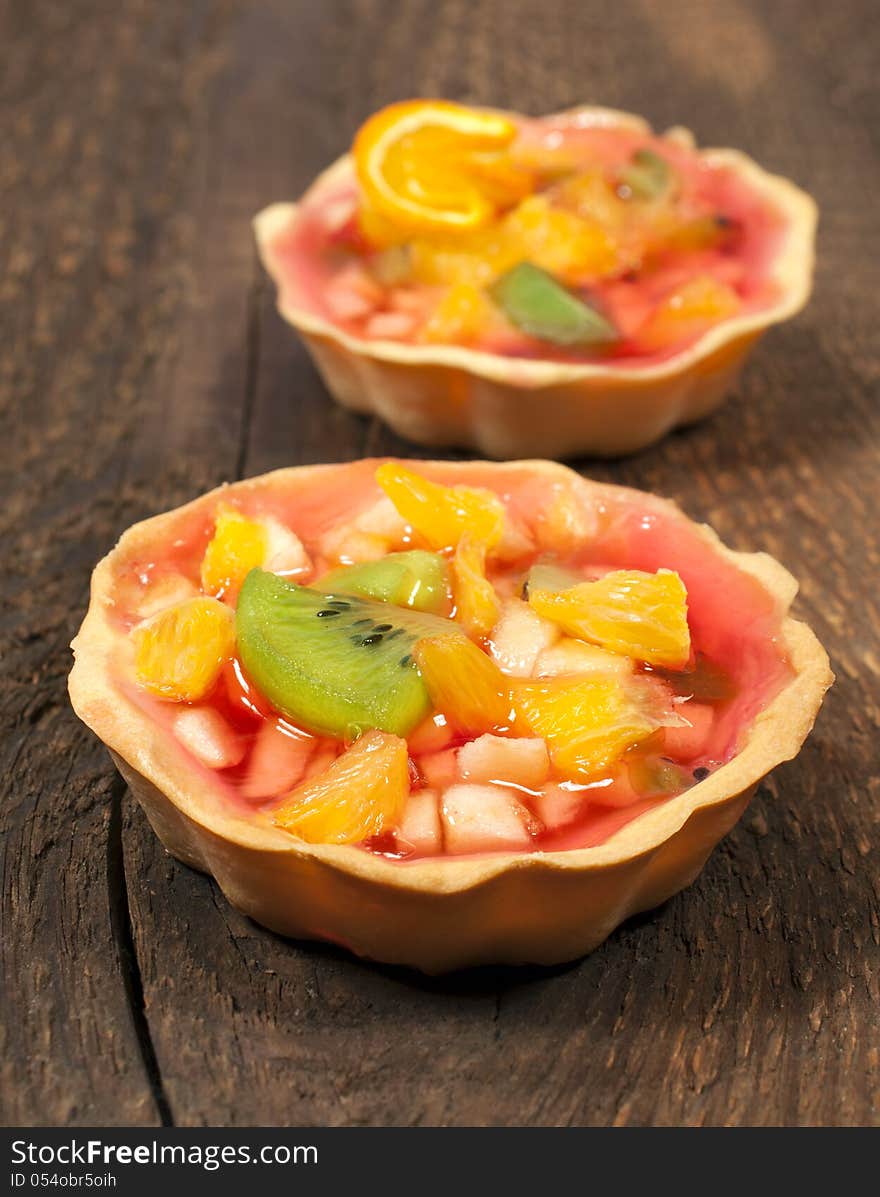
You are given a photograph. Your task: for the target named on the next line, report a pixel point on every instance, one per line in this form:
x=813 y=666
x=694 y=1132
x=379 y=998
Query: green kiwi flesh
x=335 y=664
x=415 y=579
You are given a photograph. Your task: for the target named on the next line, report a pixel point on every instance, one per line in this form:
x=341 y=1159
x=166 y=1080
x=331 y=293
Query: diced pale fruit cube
x=439 y=769
x=391 y=325
x=516 y=542
x=506 y=761
x=557 y=807
x=419 y=828
x=519 y=637
x=483 y=819
x=382 y=519
x=206 y=734
x=573 y=657
x=336 y=213
x=688 y=740
x=351 y=294
x=161 y=593
x=349 y=547
x=278 y=761
x=285 y=553
x=565 y=523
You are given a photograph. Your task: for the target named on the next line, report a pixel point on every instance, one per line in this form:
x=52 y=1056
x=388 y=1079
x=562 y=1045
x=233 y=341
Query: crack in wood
x=252 y=364
x=123 y=938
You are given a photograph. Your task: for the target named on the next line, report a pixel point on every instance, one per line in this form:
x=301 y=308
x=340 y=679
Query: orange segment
x=587 y=724
x=641 y=615
x=442 y=514
x=476 y=604
x=464 y=684
x=462 y=315
x=693 y=307
x=561 y=242
x=427 y=165
x=359 y=795
x=549 y=236
x=180 y=652
x=237 y=546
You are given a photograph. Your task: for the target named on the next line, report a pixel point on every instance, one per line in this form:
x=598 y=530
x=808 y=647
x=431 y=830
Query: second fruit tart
x=442 y=714
x=569 y=284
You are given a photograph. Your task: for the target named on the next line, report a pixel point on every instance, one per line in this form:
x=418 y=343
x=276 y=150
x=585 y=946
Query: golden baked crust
x=441 y=913
x=449 y=395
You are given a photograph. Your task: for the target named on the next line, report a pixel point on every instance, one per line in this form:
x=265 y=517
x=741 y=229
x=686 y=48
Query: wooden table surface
x=142 y=362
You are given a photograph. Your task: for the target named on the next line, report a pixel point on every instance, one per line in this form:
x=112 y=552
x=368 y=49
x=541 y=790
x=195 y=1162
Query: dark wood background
x=142 y=363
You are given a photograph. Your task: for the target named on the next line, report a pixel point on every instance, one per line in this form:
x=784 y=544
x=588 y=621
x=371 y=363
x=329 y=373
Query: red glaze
x=740 y=663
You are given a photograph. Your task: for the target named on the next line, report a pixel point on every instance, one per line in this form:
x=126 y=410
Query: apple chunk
x=484 y=819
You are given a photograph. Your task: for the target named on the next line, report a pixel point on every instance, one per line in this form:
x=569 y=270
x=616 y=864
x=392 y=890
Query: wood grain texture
x=143 y=363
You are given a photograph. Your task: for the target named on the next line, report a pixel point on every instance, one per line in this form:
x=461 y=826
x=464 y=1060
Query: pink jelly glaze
x=733 y=620
x=312 y=253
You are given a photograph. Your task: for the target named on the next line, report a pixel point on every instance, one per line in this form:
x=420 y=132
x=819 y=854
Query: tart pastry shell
x=441 y=913
x=443 y=395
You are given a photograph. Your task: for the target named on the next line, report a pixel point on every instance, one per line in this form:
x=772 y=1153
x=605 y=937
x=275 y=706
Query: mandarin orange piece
x=442 y=514
x=462 y=315
x=587 y=724
x=361 y=794
x=238 y=545
x=637 y=614
x=589 y=194
x=474 y=260
x=698 y=303
x=428 y=165
x=180 y=652
x=561 y=242
x=464 y=684
x=476 y=604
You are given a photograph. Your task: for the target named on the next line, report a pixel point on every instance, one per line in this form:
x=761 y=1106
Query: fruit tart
x=442 y=714
x=554 y=286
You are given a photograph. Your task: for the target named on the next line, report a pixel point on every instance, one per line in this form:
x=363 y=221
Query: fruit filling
x=568 y=238
x=445 y=660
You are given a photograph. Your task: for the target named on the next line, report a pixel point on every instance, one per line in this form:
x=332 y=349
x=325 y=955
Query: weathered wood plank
x=99 y=120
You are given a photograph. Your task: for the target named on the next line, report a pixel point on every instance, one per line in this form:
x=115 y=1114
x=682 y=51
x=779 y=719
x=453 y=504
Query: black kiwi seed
x=382 y=627
x=701 y=773
x=407 y=660
x=327 y=611
x=373 y=638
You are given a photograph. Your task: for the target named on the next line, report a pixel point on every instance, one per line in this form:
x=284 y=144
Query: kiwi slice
x=535 y=302
x=415 y=579
x=334 y=664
